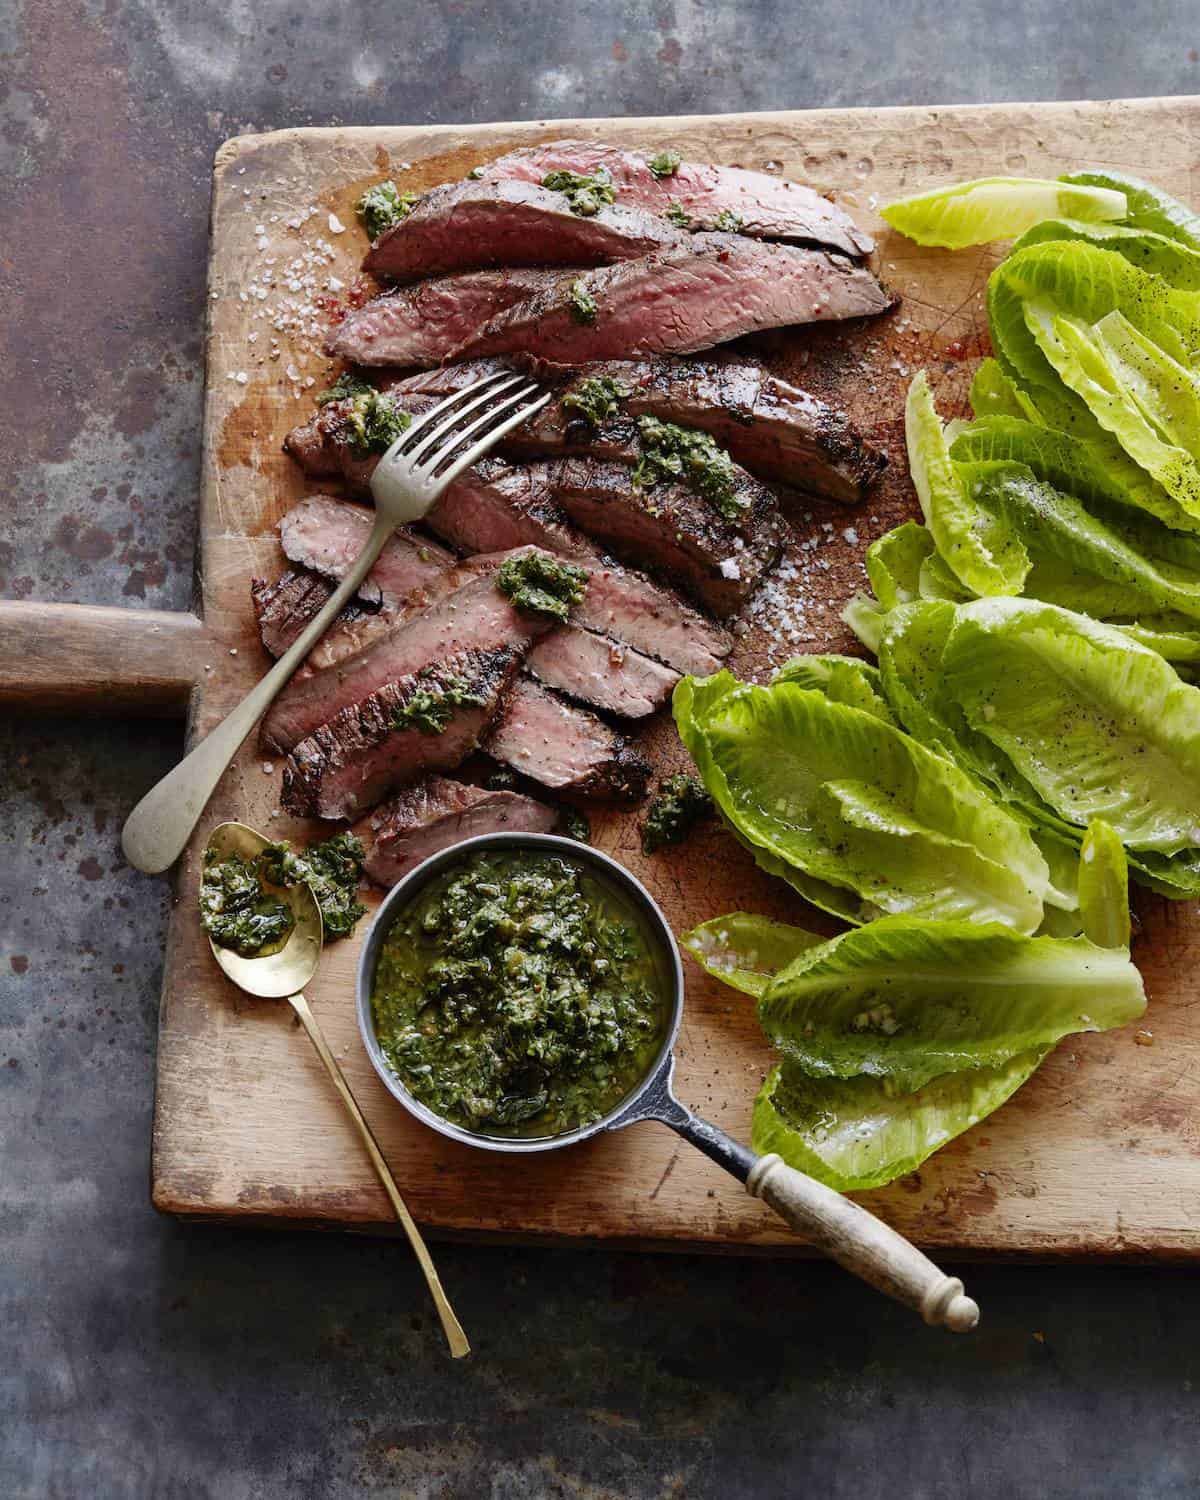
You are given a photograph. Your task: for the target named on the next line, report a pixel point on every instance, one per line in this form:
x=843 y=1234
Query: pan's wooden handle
x=863 y=1244
x=85 y=658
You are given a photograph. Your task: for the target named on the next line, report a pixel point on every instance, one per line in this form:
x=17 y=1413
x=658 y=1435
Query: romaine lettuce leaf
x=894 y=563
x=996 y=208
x=995 y=394
x=984 y=556
x=936 y=581
x=1147 y=207
x=745 y=950
x=843 y=679
x=907 y=1000
x=858 y=1133
x=1166 y=391
x=1081 y=358
x=1104 y=887
x=1098 y=725
x=845 y=798
x=1175 y=262
x=864 y=616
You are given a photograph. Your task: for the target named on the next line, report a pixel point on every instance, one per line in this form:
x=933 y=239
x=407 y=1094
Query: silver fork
x=410 y=476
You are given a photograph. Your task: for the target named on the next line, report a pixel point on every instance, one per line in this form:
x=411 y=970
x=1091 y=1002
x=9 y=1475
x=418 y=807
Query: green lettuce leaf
x=1147 y=207
x=745 y=950
x=843 y=679
x=1175 y=262
x=996 y=208
x=985 y=557
x=1104 y=887
x=858 y=1133
x=894 y=563
x=844 y=798
x=1098 y=725
x=995 y=394
x=908 y=1000
x=936 y=581
x=864 y=616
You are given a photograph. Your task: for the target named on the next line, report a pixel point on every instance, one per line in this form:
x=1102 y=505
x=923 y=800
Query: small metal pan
x=838 y=1227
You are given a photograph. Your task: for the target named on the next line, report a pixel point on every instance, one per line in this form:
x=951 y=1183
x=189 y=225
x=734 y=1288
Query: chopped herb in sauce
x=382 y=206
x=518 y=995
x=681 y=803
x=501 y=780
x=586 y=192
x=678 y=215
x=665 y=164
x=596 y=399
x=475 y=174
x=237 y=911
x=573 y=825
x=581 y=303
x=431 y=705
x=331 y=869
x=729 y=222
x=373 y=420
x=542 y=583
x=671 y=452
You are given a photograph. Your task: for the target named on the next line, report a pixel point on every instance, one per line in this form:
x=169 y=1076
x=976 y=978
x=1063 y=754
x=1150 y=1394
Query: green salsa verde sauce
x=519 y=995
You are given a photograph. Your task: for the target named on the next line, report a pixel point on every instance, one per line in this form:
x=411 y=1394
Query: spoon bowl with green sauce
x=272 y=951
x=522 y=992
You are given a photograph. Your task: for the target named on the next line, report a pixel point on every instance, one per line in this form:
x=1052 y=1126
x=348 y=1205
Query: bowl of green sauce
x=519 y=991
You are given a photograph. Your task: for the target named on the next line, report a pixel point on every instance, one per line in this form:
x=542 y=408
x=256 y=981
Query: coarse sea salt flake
x=335 y=225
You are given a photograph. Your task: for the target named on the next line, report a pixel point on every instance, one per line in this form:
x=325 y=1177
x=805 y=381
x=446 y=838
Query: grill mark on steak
x=357 y=757
x=774 y=429
x=670 y=527
x=420 y=324
x=565 y=748
x=469 y=226
x=475 y=616
x=682 y=299
x=769 y=207
x=435 y=814
x=493 y=507
x=595 y=669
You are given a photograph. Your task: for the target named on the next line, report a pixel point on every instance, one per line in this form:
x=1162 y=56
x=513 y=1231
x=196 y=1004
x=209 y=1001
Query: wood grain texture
x=89 y=658
x=1097 y=1155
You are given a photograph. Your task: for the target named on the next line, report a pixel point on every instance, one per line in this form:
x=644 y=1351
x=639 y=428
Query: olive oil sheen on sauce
x=519 y=995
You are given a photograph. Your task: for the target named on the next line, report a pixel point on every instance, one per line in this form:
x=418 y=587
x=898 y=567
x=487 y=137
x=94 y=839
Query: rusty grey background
x=146 y=1359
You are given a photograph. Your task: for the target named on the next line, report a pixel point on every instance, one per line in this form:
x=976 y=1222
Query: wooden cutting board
x=1097 y=1155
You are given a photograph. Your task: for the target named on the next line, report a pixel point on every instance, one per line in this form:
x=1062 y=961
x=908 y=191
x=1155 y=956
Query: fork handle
x=158 y=828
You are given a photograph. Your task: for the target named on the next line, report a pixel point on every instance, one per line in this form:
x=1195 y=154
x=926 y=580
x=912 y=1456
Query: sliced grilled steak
x=566 y=749
x=436 y=814
x=474 y=617
x=494 y=507
x=601 y=672
x=592 y=668
x=769 y=207
x=419 y=325
x=327 y=536
x=323 y=448
x=468 y=226
x=669 y=526
x=772 y=428
x=678 y=300
x=357 y=757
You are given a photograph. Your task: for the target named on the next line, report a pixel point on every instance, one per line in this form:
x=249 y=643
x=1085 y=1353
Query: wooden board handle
x=87 y=658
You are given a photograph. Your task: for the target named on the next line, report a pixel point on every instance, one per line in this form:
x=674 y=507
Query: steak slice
x=670 y=527
x=566 y=749
x=595 y=669
x=493 y=507
x=468 y=226
x=770 y=207
x=769 y=426
x=420 y=324
x=435 y=814
x=681 y=299
x=474 y=617
x=356 y=758
x=601 y=672
x=327 y=536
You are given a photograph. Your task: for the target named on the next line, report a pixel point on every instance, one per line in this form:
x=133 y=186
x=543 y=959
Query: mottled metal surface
x=146 y=1359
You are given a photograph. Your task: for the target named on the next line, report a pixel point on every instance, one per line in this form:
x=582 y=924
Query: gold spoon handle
x=455 y=1337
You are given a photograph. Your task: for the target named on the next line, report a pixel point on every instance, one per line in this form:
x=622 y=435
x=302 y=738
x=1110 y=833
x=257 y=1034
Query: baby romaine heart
x=996 y=208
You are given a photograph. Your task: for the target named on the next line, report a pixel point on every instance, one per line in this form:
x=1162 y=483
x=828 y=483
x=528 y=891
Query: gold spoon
x=282 y=976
